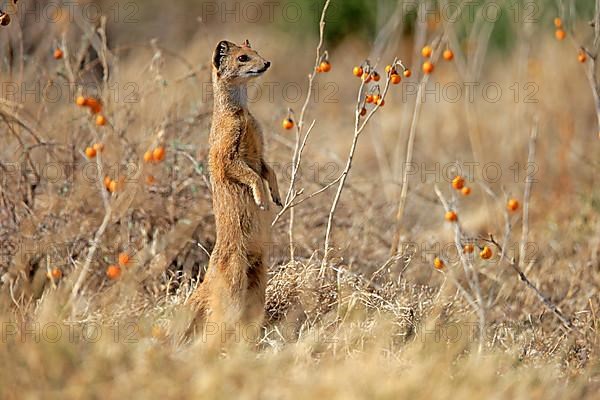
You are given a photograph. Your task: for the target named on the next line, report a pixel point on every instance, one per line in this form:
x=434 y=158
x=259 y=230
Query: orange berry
x=55 y=273
x=448 y=55
x=158 y=332
x=93 y=104
x=458 y=182
x=466 y=191
x=288 y=123
x=426 y=51
x=468 y=248
x=318 y=69
x=363 y=112
x=376 y=98
x=123 y=259
x=58 y=54
x=148 y=156
x=150 y=180
x=485 y=253
x=158 y=154
x=581 y=57
x=376 y=76
x=558 y=22
x=80 y=101
x=113 y=272
x=113 y=186
x=407 y=73
x=395 y=79
x=99 y=147
x=357 y=71
x=366 y=77
x=560 y=34
x=388 y=69
x=370 y=98
x=90 y=152
x=380 y=102
x=450 y=216
x=427 y=67
x=107 y=182
x=325 y=66
x=438 y=263
x=100 y=120
x=512 y=205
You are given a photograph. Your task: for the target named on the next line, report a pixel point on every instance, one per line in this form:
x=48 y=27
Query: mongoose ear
x=246 y=44
x=220 y=52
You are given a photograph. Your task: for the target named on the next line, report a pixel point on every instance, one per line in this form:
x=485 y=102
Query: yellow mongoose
x=233 y=291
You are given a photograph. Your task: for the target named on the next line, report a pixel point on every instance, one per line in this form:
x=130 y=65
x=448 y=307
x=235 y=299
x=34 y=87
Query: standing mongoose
x=232 y=295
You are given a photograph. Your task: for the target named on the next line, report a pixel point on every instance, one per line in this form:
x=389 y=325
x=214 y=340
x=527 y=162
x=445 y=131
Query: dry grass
x=371 y=325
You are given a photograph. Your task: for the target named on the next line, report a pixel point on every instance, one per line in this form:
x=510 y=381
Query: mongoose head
x=237 y=64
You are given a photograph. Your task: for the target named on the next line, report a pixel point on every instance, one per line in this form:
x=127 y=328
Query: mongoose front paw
x=259 y=199
x=276 y=198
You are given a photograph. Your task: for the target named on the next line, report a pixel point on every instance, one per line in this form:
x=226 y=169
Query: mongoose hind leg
x=198 y=302
x=254 y=310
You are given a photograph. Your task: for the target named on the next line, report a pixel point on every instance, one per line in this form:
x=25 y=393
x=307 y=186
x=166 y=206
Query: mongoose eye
x=243 y=58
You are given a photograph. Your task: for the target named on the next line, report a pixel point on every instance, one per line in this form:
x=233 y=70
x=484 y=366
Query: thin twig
x=358 y=129
x=300 y=143
x=545 y=300
x=592 y=55
x=470 y=273
x=437 y=44
x=527 y=194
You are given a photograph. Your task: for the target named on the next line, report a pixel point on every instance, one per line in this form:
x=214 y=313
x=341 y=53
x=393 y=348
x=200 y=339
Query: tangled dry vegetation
x=370 y=294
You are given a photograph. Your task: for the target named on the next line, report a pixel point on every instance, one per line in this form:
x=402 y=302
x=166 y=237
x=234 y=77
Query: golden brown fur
x=233 y=291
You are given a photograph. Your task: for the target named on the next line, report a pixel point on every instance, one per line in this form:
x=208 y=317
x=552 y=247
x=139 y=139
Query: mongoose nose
x=267 y=65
